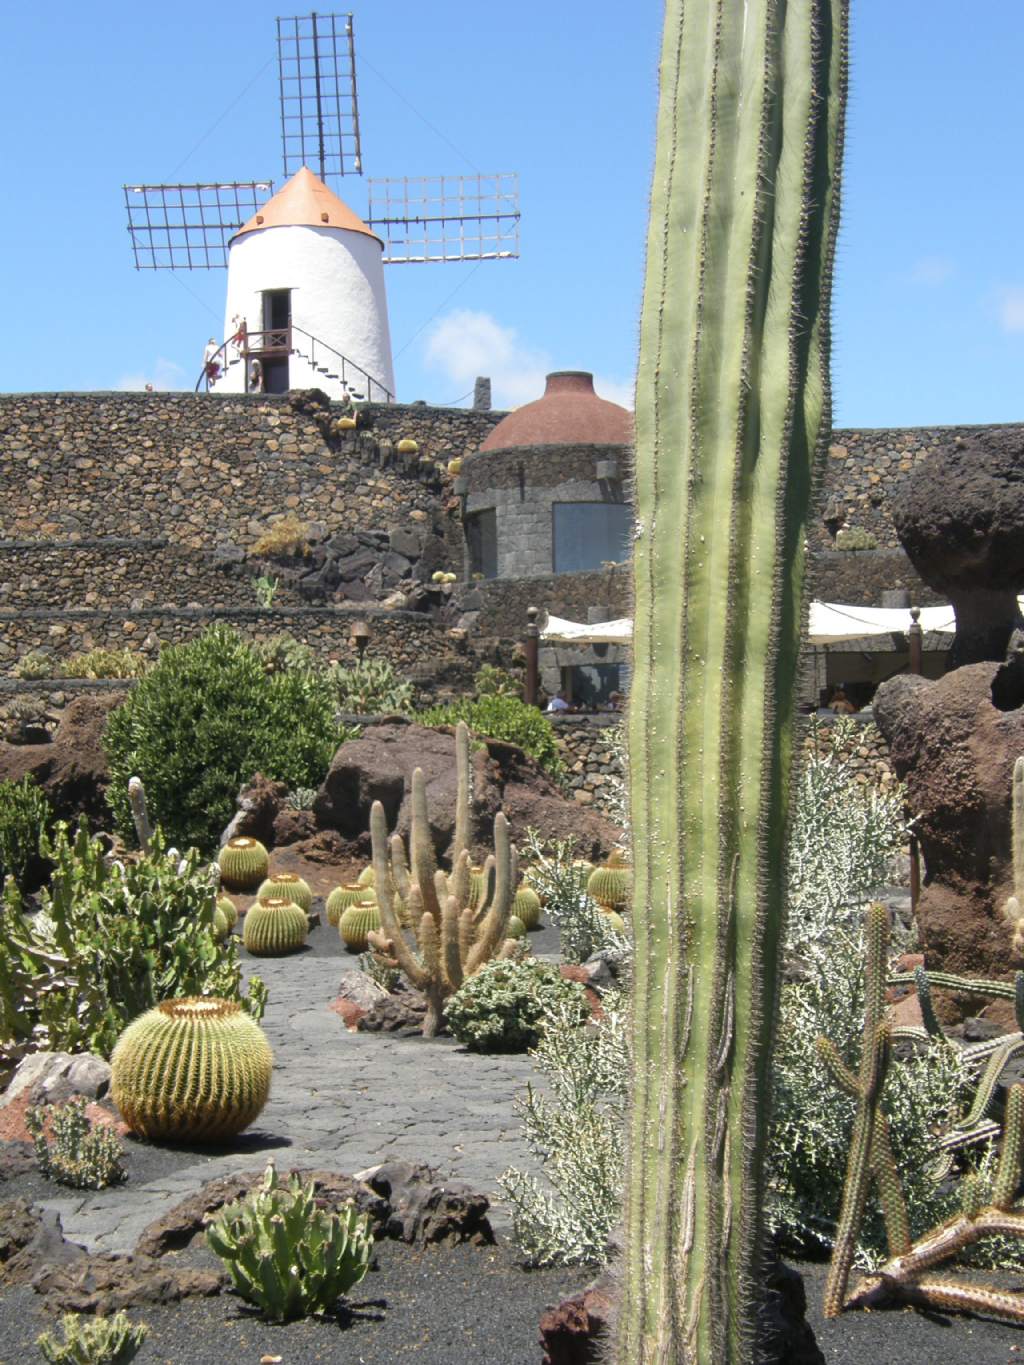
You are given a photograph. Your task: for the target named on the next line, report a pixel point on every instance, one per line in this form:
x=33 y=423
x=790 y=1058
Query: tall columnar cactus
x=1014 y=907
x=732 y=408
x=454 y=935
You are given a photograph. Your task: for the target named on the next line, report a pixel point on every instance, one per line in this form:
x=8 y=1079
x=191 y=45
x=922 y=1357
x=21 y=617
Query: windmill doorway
x=276 y=339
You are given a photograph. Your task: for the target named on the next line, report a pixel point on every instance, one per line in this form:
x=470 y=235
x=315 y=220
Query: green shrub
x=93 y=1341
x=575 y=1130
x=286 y=1255
x=282 y=653
x=371 y=687
x=202 y=722
x=84 y=1155
x=25 y=818
x=36 y=664
x=104 y=663
x=489 y=681
x=110 y=941
x=500 y=1007
x=505 y=718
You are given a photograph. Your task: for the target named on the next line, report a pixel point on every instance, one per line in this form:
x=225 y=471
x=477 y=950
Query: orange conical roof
x=305 y=201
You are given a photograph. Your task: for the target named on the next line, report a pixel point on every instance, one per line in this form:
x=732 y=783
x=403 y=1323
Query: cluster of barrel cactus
x=285 y=1254
x=288 y=886
x=453 y=937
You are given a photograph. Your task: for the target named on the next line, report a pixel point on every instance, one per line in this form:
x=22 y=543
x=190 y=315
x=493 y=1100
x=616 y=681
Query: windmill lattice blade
x=316 y=64
x=187 y=227
x=446 y=217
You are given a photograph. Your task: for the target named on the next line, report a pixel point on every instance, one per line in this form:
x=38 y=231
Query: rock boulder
x=72 y=767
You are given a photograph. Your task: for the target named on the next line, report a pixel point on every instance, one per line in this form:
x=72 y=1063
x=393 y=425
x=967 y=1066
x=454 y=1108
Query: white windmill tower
x=306 y=304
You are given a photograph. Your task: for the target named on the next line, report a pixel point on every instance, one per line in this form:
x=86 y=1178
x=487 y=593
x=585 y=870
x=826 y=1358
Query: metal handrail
x=279 y=340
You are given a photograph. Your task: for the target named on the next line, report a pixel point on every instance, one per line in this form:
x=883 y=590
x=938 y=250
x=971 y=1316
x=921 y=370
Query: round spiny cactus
x=228 y=909
x=343 y=896
x=243 y=863
x=367 y=877
x=615 y=920
x=455 y=467
x=526 y=906
x=610 y=885
x=287 y=886
x=346 y=424
x=355 y=923
x=196 y=1069
x=515 y=928
x=220 y=927
x=274 y=927
x=407 y=447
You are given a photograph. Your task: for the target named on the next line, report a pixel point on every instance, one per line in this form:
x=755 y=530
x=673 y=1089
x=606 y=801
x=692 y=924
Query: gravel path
x=339 y=1100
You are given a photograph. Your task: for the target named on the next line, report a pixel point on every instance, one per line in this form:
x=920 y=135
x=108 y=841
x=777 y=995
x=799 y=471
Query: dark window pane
x=587 y=534
x=482 y=540
x=593 y=684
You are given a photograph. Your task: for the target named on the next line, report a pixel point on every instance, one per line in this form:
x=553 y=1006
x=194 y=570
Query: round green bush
x=501 y=1008
x=203 y=721
x=505 y=718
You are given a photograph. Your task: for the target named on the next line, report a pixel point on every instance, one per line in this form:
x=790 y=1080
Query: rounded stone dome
x=570 y=413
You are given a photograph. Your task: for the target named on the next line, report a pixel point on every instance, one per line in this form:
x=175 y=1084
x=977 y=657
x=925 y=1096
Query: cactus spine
x=732 y=407
x=197 y=1068
x=356 y=923
x=455 y=938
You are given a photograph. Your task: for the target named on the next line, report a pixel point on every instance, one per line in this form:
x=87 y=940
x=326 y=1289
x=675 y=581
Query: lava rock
x=955 y=749
x=53 y=1077
x=107 y=1283
x=574 y=1331
x=259 y=805
x=425 y=1210
x=72 y=767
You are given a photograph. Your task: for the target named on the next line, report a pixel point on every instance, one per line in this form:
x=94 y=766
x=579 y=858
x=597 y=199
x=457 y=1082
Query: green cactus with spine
x=220 y=928
x=526 y=907
x=343 y=896
x=287 y=886
x=906 y=1276
x=610 y=886
x=356 y=923
x=366 y=877
x=1013 y=910
x=196 y=1069
x=274 y=927
x=228 y=909
x=454 y=937
x=90 y=1340
x=515 y=928
x=732 y=413
x=243 y=863
x=285 y=1254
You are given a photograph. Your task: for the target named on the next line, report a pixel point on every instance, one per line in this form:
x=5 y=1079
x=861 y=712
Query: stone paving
x=342 y=1101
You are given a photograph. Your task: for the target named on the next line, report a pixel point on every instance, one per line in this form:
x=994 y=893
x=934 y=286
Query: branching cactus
x=732 y=413
x=453 y=938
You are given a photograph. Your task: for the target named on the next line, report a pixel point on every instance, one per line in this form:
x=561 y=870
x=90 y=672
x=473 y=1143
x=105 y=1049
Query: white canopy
x=830 y=624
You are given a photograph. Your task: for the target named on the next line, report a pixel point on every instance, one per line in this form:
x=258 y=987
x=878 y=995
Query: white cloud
x=1011 y=308
x=465 y=344
x=932 y=271
x=163 y=375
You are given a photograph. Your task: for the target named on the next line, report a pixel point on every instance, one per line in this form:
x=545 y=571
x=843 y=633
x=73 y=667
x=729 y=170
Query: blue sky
x=929 y=303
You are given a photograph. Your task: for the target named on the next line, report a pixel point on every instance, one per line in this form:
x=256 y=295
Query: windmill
x=306 y=303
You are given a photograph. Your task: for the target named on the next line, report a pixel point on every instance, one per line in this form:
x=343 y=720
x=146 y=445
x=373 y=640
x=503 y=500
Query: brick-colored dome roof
x=305 y=201
x=570 y=413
